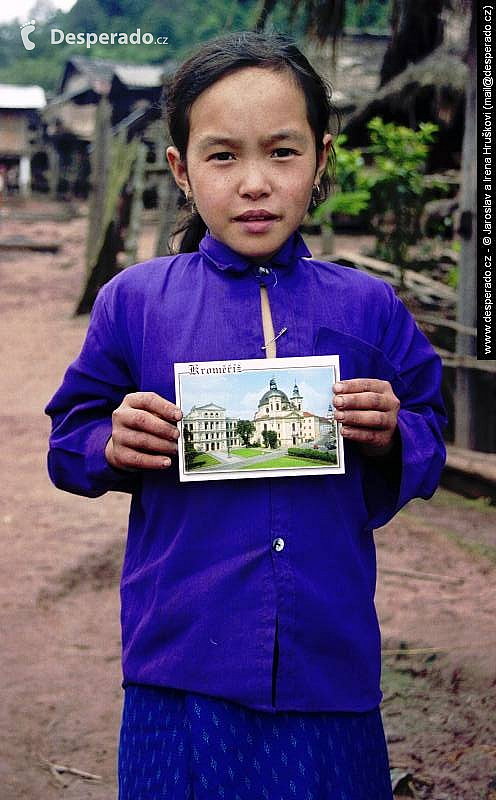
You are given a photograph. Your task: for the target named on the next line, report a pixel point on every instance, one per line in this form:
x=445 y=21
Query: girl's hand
x=367 y=410
x=144 y=433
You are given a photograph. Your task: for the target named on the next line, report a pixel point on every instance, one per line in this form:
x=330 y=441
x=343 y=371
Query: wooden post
x=327 y=239
x=100 y=163
x=132 y=237
x=53 y=170
x=102 y=250
x=25 y=176
x=167 y=193
x=466 y=410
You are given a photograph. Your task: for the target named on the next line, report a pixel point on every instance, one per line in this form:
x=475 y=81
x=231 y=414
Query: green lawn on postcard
x=287 y=461
x=204 y=460
x=247 y=452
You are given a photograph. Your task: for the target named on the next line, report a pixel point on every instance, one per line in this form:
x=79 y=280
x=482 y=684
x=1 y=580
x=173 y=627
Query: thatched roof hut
x=433 y=90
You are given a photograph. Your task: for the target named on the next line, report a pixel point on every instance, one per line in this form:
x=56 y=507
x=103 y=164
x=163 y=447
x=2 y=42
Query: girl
x=251 y=651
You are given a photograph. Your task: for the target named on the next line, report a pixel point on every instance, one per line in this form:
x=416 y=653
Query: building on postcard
x=285 y=415
x=210 y=429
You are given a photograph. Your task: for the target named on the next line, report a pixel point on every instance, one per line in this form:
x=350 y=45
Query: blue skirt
x=182 y=746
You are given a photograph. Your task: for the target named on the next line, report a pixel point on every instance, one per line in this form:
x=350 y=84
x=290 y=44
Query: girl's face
x=250 y=160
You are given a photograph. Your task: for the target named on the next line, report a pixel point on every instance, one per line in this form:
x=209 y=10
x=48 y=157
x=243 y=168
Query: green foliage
x=245 y=429
x=373 y=15
x=453 y=277
x=185 y=25
x=391 y=189
x=190 y=454
x=352 y=196
x=314 y=455
x=270 y=439
x=397 y=184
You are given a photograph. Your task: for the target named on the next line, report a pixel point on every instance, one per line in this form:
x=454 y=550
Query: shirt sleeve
x=416 y=465
x=81 y=412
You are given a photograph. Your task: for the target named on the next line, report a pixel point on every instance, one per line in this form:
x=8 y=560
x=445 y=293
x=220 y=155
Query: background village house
x=20 y=130
x=70 y=116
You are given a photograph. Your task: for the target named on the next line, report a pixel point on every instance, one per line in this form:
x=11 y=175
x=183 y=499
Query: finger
x=145 y=442
x=129 y=459
x=378 y=420
x=365 y=400
x=366 y=436
x=155 y=404
x=361 y=385
x=128 y=418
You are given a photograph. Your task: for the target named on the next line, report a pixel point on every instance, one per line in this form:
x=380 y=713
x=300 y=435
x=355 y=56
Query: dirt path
x=59 y=568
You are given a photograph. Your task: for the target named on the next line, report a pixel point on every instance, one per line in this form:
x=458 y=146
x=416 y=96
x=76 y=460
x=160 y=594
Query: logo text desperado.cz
x=58 y=37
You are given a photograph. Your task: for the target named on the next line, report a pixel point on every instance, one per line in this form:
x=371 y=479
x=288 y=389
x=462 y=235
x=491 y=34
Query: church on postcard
x=285 y=415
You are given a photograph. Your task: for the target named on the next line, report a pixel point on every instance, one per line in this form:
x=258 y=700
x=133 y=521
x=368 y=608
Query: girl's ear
x=323 y=155
x=178 y=168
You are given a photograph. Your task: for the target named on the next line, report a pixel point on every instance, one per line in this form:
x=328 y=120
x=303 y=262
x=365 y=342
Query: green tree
x=190 y=453
x=397 y=185
x=391 y=189
x=185 y=24
x=270 y=439
x=352 y=193
x=245 y=429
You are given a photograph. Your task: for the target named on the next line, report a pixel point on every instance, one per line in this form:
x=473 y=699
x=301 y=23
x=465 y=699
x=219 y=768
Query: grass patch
x=444 y=497
x=287 y=461
x=247 y=452
x=474 y=548
x=204 y=460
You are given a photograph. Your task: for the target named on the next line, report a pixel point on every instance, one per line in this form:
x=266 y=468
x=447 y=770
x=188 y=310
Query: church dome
x=273 y=392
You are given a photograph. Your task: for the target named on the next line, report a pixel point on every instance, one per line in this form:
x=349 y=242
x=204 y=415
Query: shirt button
x=278 y=544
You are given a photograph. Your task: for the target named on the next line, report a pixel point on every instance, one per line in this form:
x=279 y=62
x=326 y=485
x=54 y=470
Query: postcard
x=258 y=418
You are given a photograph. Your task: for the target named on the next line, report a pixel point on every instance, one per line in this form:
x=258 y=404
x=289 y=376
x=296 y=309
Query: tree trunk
x=417 y=29
x=267 y=8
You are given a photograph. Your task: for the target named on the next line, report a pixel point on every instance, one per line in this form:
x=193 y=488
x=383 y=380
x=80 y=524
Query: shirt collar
x=224 y=258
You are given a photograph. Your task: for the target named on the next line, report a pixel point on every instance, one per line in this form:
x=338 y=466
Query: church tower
x=296 y=398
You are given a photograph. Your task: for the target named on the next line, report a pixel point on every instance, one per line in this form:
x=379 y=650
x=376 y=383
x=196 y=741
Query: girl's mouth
x=256 y=221
x=255 y=215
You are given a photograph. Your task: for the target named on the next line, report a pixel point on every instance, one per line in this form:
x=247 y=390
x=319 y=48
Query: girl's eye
x=283 y=152
x=224 y=156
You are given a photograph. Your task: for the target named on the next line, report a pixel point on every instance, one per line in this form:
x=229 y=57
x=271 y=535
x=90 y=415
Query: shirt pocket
x=357 y=358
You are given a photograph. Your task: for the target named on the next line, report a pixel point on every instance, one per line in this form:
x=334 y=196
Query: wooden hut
x=70 y=115
x=20 y=133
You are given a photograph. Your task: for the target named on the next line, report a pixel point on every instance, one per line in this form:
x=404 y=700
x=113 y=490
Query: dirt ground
x=60 y=560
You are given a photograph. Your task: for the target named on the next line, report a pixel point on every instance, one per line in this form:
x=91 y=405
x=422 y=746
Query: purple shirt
x=202 y=584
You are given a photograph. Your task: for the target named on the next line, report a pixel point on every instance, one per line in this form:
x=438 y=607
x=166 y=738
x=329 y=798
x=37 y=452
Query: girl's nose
x=254 y=183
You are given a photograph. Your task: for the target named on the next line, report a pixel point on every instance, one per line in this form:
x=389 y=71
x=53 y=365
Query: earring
x=315 y=196
x=190 y=199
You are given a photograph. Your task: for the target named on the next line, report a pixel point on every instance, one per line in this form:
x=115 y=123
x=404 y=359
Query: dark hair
x=225 y=55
